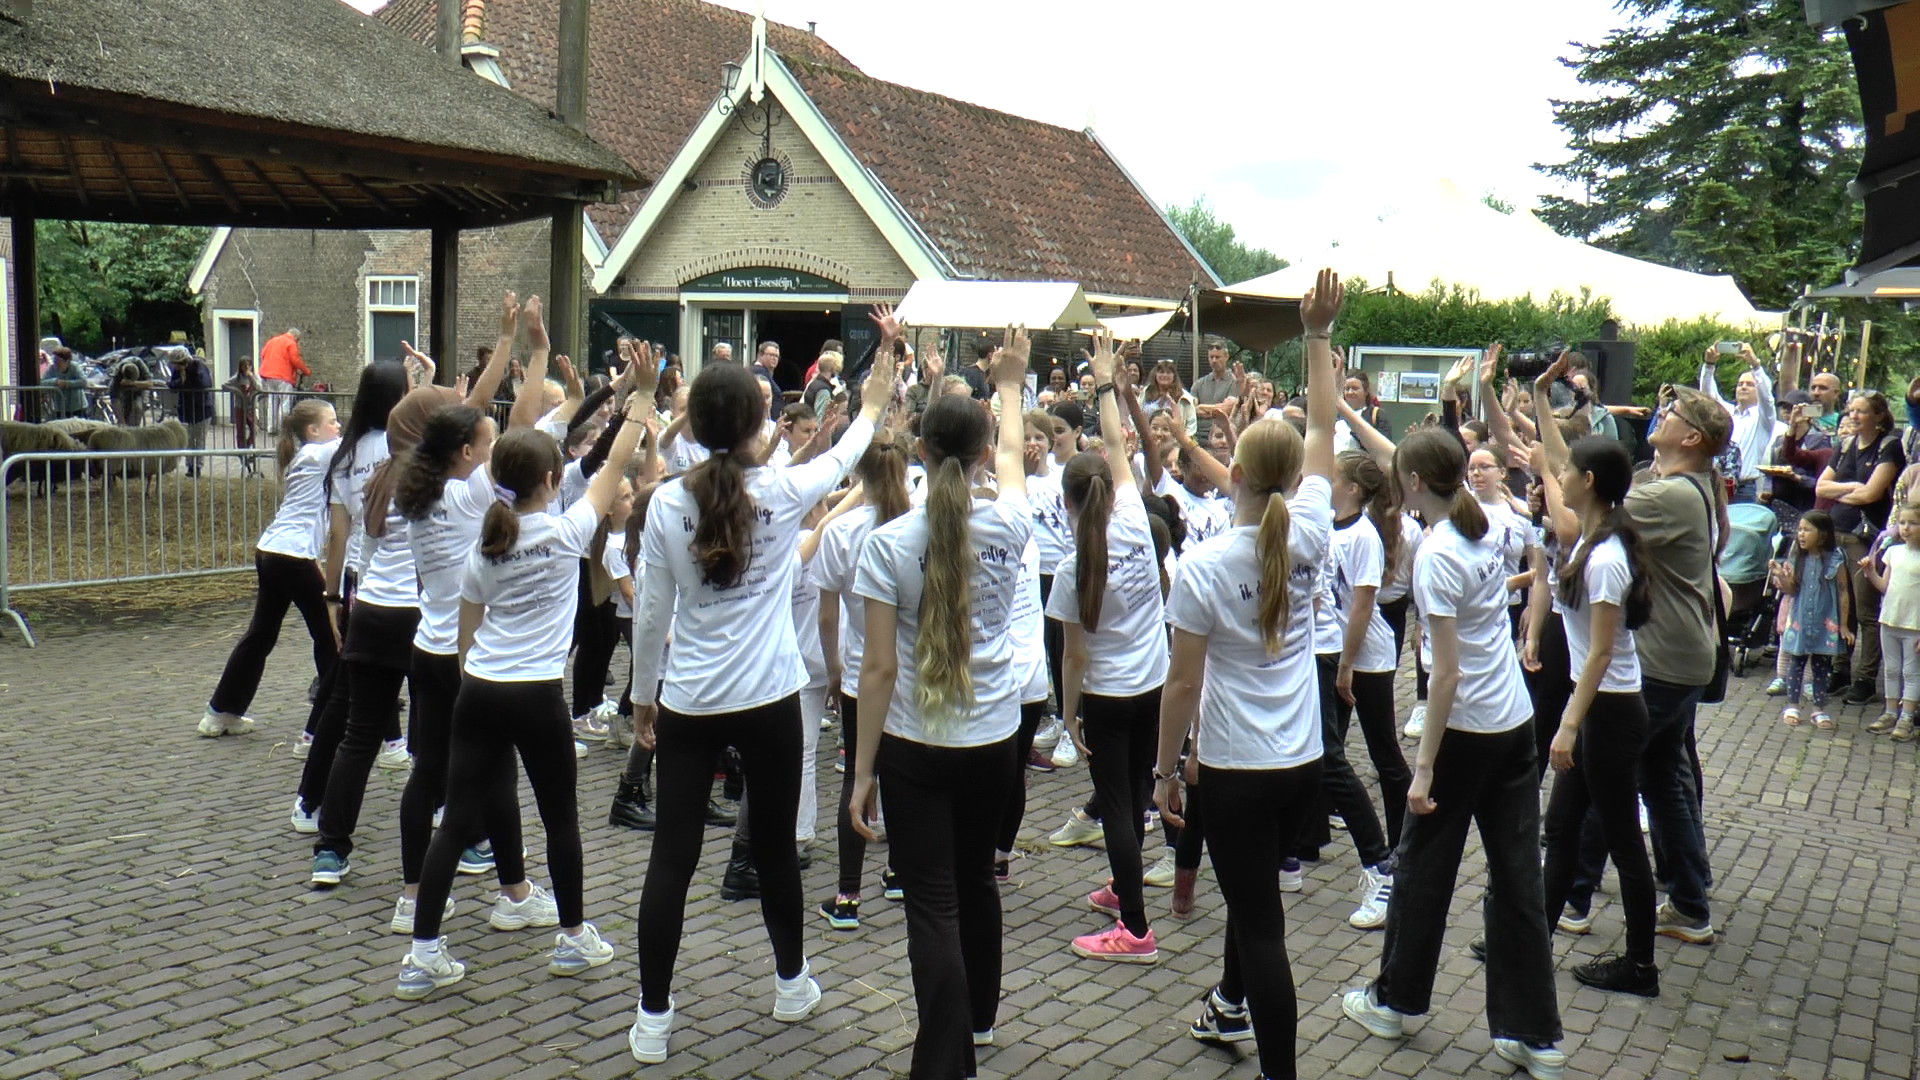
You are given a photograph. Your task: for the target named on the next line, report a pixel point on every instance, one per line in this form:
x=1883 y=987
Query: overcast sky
x=1290 y=116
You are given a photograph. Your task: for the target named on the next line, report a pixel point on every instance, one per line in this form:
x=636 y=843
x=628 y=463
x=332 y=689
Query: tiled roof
x=653 y=68
x=1003 y=197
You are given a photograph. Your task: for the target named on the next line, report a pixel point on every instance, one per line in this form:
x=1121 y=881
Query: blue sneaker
x=477 y=859
x=418 y=977
x=572 y=955
x=328 y=869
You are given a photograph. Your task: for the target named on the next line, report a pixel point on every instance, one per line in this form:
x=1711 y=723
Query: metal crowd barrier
x=231 y=409
x=96 y=518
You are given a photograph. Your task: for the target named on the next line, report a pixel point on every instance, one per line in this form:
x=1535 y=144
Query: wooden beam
x=73 y=167
x=57 y=204
x=307 y=179
x=273 y=189
x=566 y=302
x=26 y=307
x=443 y=303
x=570 y=73
x=366 y=192
x=220 y=184
x=29 y=172
x=120 y=170
x=167 y=171
x=446 y=34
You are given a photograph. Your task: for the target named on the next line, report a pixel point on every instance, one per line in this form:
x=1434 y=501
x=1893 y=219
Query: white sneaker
x=538 y=909
x=1153 y=819
x=1573 y=922
x=574 y=954
x=1293 y=879
x=580 y=749
x=1416 y=723
x=215 y=724
x=420 y=975
x=1376 y=890
x=795 y=999
x=590 y=728
x=1160 y=874
x=647 y=1038
x=304 y=822
x=1362 y=1009
x=1065 y=754
x=302 y=744
x=1079 y=829
x=1546 y=1064
x=393 y=755
x=403 y=908
x=1048 y=735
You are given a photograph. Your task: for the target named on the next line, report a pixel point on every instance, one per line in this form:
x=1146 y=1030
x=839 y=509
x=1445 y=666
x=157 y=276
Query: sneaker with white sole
x=403 y=909
x=1160 y=874
x=581 y=749
x=1416 y=723
x=1376 y=891
x=1221 y=1021
x=421 y=975
x=1065 y=754
x=1574 y=922
x=328 y=869
x=1668 y=922
x=795 y=999
x=647 y=1038
x=538 y=909
x=477 y=859
x=573 y=954
x=1047 y=736
x=302 y=745
x=1541 y=1063
x=1293 y=877
x=983 y=1038
x=302 y=821
x=1117 y=945
x=590 y=728
x=215 y=724
x=393 y=755
x=1079 y=829
x=1364 y=1009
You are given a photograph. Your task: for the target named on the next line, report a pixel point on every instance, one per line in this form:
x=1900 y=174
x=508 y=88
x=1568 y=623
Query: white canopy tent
x=1457 y=240
x=1037 y=305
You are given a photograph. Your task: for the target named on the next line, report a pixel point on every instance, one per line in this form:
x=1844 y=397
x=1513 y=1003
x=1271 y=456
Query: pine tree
x=1720 y=140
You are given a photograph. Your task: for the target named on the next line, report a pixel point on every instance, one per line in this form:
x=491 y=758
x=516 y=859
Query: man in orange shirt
x=280 y=370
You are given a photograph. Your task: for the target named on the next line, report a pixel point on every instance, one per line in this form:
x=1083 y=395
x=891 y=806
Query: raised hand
x=564 y=367
x=882 y=317
x=535 y=321
x=460 y=386
x=1009 y=362
x=1321 y=305
x=509 y=315
x=1487 y=363
x=1554 y=373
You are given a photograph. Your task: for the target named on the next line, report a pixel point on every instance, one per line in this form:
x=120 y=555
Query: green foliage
x=1495 y=202
x=1215 y=241
x=1719 y=139
x=103 y=283
x=1449 y=317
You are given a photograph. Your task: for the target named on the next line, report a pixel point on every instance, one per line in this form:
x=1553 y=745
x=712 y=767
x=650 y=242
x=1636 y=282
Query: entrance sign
x=764 y=279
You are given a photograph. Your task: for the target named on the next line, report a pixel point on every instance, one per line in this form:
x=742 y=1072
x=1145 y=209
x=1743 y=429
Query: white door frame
x=224 y=362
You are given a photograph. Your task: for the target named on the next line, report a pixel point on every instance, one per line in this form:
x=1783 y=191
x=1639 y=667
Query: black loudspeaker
x=1613 y=360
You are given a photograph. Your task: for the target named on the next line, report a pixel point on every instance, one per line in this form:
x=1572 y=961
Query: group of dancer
x=1203 y=622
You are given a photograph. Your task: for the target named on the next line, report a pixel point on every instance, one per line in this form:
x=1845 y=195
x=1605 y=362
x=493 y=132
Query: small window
x=393 y=293
x=392 y=316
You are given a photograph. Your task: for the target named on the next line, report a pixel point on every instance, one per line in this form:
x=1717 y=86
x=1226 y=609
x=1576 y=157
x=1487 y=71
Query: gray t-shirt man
x=1213 y=388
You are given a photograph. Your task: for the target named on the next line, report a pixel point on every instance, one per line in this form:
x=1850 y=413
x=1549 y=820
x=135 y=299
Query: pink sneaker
x=1103 y=899
x=1117 y=945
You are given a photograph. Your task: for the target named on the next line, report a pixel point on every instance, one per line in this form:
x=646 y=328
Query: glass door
x=724 y=326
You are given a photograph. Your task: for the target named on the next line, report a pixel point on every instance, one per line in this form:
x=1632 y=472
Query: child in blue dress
x=1817 y=583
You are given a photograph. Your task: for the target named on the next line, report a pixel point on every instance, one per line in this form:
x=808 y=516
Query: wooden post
x=1860 y=366
x=566 y=306
x=1193 y=325
x=446 y=32
x=443 y=303
x=26 y=310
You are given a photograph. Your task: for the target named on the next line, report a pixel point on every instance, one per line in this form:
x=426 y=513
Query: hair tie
x=504 y=494
x=720 y=453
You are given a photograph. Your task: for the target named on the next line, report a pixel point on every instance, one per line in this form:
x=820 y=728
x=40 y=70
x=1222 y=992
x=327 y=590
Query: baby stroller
x=1751 y=535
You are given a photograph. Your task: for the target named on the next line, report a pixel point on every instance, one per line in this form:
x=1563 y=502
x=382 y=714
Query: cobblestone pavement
x=159 y=922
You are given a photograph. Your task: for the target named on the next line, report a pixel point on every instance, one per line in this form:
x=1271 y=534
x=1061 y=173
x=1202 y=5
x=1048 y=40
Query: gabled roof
x=1003 y=197
x=653 y=69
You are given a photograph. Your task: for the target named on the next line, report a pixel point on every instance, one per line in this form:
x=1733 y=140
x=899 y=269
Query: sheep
x=171 y=435
x=78 y=428
x=30 y=439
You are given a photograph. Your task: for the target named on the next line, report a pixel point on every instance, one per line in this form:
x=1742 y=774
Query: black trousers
x=1373 y=701
x=1550 y=688
x=284 y=582
x=435 y=680
x=1606 y=757
x=374 y=662
x=334 y=679
x=1031 y=713
x=768 y=739
x=943 y=852
x=1488 y=780
x=1258 y=813
x=1189 y=841
x=1341 y=789
x=1053 y=639
x=491 y=720
x=1123 y=738
x=853 y=846
x=596 y=634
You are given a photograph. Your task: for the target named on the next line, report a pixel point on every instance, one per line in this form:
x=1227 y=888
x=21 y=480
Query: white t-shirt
x=573 y=484
x=1205 y=516
x=1127 y=654
x=834 y=566
x=441 y=543
x=734 y=648
x=1359 y=558
x=1327 y=640
x=1608 y=579
x=387 y=575
x=1512 y=534
x=1052 y=530
x=530 y=594
x=1410 y=534
x=1256 y=711
x=891 y=573
x=1465 y=580
x=1027 y=625
x=614 y=561
x=683 y=453
x=806 y=624
x=299 y=527
x=350 y=485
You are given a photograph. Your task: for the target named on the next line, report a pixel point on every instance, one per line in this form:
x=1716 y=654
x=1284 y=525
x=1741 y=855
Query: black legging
x=1053 y=641
x=943 y=852
x=853 y=846
x=1189 y=840
x=1551 y=687
x=1373 y=701
x=1605 y=758
x=1256 y=815
x=1123 y=736
x=768 y=739
x=332 y=680
x=1395 y=611
x=361 y=704
x=1031 y=713
x=597 y=633
x=1341 y=789
x=491 y=720
x=435 y=680
x=285 y=581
